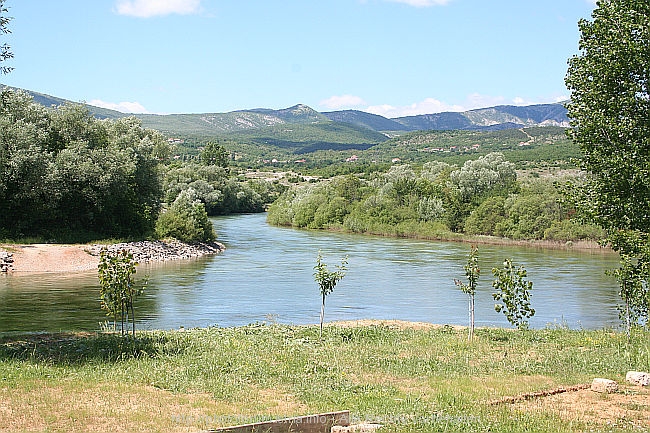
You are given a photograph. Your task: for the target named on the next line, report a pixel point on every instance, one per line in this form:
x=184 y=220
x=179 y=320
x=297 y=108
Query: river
x=265 y=275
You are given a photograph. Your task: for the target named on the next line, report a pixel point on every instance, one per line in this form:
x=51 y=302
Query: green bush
x=485 y=218
x=529 y=215
x=568 y=230
x=186 y=220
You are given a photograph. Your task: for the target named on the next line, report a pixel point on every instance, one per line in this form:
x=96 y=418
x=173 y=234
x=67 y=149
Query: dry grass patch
x=81 y=407
x=279 y=403
x=628 y=408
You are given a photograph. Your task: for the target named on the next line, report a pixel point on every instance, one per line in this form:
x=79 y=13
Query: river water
x=265 y=275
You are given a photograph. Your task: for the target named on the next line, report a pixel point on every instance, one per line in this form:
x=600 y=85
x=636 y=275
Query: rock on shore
x=161 y=251
x=6 y=261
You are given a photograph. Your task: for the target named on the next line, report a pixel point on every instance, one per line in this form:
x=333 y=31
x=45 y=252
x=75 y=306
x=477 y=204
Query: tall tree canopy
x=67 y=175
x=610 y=111
x=610 y=108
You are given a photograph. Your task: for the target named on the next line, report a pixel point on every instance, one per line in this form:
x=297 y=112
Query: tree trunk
x=471 y=317
x=133 y=317
x=627 y=320
x=322 y=316
x=123 y=312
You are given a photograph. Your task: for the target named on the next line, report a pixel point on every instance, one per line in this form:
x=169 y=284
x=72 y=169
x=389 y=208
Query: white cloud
x=342 y=101
x=422 y=3
x=472 y=101
x=427 y=106
x=123 y=107
x=476 y=100
x=518 y=100
x=150 y=8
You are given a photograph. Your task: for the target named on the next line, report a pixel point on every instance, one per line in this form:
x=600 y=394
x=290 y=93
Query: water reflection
x=266 y=274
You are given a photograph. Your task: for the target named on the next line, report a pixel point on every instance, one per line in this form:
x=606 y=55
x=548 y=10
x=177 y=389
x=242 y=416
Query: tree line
x=481 y=197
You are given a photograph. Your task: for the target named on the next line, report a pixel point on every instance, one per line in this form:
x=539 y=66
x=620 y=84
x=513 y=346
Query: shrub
x=568 y=230
x=485 y=219
x=513 y=293
x=186 y=220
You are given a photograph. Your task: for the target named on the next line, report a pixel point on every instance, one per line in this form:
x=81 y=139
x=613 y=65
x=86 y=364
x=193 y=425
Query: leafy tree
x=327 y=280
x=215 y=154
x=529 y=215
x=610 y=108
x=5 y=49
x=433 y=170
x=632 y=276
x=348 y=187
x=472 y=272
x=513 y=291
x=400 y=183
x=487 y=174
x=186 y=220
x=65 y=174
x=487 y=218
x=117 y=286
x=610 y=112
x=430 y=208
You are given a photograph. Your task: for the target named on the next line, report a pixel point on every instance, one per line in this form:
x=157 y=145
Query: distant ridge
x=487 y=119
x=366 y=120
x=53 y=101
x=301 y=128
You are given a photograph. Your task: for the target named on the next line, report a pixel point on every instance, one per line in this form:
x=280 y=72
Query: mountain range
x=301 y=128
x=483 y=119
x=493 y=118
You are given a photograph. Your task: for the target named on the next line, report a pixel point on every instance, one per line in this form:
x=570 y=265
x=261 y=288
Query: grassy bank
x=444 y=235
x=427 y=379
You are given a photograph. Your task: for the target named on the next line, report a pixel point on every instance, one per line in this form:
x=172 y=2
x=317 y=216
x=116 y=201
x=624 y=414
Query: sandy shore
x=51 y=258
x=42 y=258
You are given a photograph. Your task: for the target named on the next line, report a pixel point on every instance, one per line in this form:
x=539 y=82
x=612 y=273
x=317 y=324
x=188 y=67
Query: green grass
x=412 y=380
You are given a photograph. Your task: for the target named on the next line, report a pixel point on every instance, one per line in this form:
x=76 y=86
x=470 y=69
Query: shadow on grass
x=81 y=348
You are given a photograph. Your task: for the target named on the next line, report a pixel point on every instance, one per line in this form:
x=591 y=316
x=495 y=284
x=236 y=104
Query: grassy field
x=408 y=377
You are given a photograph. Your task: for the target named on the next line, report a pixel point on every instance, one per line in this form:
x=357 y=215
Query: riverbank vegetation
x=66 y=176
x=221 y=189
x=410 y=378
x=437 y=200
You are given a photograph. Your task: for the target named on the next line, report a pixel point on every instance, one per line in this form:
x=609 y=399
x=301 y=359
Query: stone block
x=604 y=385
x=640 y=378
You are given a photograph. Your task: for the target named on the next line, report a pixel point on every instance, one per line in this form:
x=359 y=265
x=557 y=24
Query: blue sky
x=389 y=57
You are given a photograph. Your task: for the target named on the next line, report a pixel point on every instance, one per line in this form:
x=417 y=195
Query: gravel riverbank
x=161 y=251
